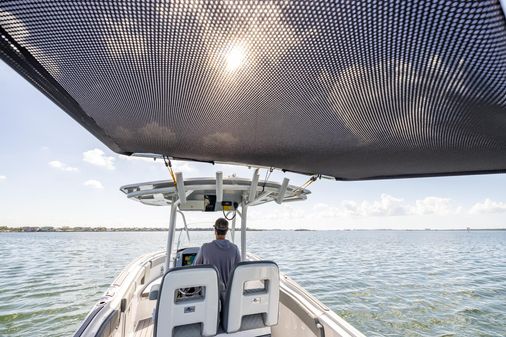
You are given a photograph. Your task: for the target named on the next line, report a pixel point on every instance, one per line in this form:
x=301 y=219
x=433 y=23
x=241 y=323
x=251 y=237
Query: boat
x=343 y=90
x=270 y=303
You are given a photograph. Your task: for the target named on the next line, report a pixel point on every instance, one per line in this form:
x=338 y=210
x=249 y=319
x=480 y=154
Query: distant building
x=46 y=229
x=30 y=229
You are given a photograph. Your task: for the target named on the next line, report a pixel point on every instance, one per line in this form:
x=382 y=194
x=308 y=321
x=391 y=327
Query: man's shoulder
x=235 y=246
x=232 y=245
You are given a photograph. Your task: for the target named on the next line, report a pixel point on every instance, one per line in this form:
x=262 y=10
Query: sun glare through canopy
x=235 y=57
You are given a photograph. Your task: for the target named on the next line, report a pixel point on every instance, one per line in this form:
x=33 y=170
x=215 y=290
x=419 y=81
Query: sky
x=55 y=173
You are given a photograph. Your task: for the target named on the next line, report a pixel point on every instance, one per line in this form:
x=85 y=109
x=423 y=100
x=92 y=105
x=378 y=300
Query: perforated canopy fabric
x=350 y=89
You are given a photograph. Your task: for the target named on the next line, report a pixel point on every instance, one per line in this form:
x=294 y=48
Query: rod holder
x=282 y=190
x=219 y=187
x=180 y=187
x=253 y=188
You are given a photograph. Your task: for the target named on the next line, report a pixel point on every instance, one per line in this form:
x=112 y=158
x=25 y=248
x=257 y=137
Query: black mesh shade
x=351 y=89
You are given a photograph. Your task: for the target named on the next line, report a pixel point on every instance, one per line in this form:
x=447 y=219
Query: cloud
x=154 y=130
x=387 y=205
x=92 y=183
x=97 y=157
x=62 y=166
x=283 y=212
x=135 y=158
x=488 y=206
x=433 y=205
x=163 y=135
x=223 y=141
x=183 y=166
x=3 y=178
x=177 y=165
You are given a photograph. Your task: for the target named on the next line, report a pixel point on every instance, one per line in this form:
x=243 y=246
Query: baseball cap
x=221 y=224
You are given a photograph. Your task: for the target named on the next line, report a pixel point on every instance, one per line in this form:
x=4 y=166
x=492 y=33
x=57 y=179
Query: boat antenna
x=267 y=176
x=311 y=180
x=168 y=164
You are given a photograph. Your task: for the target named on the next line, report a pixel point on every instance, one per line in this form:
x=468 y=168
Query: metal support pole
x=185 y=225
x=232 y=230
x=172 y=229
x=244 y=217
x=219 y=187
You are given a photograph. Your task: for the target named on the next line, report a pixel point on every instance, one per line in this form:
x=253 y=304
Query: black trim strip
x=88 y=320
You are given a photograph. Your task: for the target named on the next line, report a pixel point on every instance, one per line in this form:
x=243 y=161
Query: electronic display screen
x=188 y=259
x=209 y=203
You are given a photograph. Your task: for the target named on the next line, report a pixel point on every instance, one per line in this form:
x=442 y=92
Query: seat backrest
x=188 y=303
x=249 y=308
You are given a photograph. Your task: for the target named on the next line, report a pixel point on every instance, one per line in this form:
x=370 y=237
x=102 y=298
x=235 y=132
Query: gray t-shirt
x=222 y=254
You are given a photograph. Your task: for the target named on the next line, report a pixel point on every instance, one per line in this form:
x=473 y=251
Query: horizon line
x=63 y=229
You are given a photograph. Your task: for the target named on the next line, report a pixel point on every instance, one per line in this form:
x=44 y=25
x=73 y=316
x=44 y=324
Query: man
x=221 y=253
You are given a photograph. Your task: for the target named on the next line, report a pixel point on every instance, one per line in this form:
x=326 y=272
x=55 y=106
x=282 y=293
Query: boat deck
x=144 y=328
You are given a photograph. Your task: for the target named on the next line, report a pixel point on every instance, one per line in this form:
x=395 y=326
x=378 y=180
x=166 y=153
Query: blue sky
x=53 y=172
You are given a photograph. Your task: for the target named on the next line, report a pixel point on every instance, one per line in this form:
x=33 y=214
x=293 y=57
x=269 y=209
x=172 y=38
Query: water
x=385 y=283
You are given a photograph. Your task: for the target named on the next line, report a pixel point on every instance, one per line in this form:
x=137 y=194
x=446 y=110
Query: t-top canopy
x=210 y=194
x=350 y=89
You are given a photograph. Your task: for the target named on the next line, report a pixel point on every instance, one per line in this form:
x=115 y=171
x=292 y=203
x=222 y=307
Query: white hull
x=126 y=311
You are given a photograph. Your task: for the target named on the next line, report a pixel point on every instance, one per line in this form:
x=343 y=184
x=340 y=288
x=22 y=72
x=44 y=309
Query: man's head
x=221 y=228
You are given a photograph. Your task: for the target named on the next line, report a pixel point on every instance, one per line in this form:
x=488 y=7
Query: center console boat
x=163 y=294
x=349 y=90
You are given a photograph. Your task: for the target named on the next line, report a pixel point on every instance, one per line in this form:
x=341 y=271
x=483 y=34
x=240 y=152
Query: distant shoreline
x=68 y=229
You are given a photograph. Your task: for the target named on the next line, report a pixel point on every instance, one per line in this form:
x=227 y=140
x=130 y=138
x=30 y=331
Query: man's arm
x=237 y=256
x=199 y=259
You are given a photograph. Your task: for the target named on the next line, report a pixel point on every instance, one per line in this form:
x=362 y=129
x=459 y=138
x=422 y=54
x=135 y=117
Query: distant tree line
x=32 y=229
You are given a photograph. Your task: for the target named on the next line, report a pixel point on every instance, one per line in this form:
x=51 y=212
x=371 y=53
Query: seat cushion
x=190 y=330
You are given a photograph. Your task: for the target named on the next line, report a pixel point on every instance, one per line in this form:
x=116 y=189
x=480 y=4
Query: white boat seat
x=247 y=308
x=188 y=303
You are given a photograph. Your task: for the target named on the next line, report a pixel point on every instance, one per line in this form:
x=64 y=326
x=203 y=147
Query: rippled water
x=385 y=283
